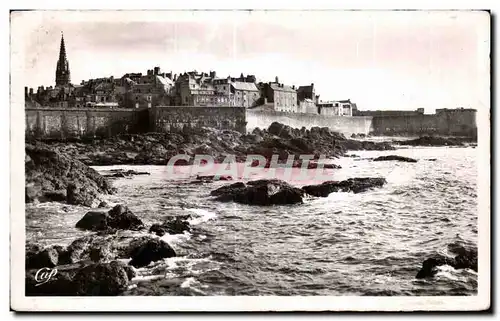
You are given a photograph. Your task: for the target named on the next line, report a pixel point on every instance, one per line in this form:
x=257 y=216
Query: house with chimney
x=282 y=97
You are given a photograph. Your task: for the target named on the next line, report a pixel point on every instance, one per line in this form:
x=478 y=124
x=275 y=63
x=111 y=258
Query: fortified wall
x=452 y=122
x=63 y=123
x=165 y=119
x=345 y=125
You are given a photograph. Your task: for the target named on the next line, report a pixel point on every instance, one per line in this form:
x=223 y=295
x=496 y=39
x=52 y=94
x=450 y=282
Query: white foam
x=188 y=282
x=176 y=238
x=202 y=216
x=448 y=272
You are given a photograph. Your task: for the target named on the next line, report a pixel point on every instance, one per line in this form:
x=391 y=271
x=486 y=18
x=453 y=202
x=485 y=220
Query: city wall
x=447 y=123
x=176 y=118
x=62 y=123
x=346 y=125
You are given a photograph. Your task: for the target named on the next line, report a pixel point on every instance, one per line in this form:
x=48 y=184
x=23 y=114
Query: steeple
x=62 y=68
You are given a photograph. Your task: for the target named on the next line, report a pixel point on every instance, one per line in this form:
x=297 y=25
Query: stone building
x=283 y=97
x=336 y=108
x=146 y=91
x=238 y=92
x=196 y=89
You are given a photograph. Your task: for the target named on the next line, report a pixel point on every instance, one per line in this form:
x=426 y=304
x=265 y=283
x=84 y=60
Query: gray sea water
x=371 y=243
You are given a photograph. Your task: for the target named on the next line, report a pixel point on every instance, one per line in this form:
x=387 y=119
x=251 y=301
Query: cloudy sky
x=380 y=60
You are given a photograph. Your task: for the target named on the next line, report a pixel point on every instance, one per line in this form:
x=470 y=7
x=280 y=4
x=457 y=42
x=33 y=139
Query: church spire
x=62 y=68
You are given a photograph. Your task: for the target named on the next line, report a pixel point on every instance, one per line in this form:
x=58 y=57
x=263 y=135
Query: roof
x=344 y=101
x=165 y=81
x=248 y=86
x=286 y=88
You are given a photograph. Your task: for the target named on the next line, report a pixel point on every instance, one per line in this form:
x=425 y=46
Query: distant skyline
x=379 y=60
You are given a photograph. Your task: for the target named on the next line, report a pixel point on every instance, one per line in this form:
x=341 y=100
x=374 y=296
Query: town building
x=283 y=97
x=240 y=92
x=336 y=108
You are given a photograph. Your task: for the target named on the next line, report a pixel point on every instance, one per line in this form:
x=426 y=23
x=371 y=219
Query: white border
x=269 y=303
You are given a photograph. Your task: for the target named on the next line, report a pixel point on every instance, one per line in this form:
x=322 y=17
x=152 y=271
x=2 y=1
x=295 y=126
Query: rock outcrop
x=159 y=148
x=464 y=259
x=436 y=141
x=119 y=217
x=260 y=192
x=97 y=279
x=172 y=225
x=355 y=185
x=395 y=158
x=52 y=176
x=147 y=249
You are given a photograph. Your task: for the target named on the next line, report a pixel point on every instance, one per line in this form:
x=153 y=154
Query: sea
x=369 y=244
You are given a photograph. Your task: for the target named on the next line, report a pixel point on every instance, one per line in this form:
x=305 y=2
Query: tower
x=62 y=68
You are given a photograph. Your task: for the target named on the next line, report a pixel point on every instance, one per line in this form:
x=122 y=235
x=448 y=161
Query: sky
x=381 y=60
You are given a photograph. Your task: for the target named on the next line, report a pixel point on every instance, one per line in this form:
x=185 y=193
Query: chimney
x=212 y=74
x=276 y=80
x=31 y=91
x=25 y=91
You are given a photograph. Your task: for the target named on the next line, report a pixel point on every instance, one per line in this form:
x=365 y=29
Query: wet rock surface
x=119 y=217
x=172 y=225
x=159 y=148
x=91 y=265
x=95 y=279
x=395 y=158
x=355 y=185
x=54 y=176
x=438 y=141
x=120 y=173
x=260 y=192
x=464 y=259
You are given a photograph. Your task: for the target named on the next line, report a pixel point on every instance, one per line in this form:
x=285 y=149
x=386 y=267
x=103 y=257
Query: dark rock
x=355 y=185
x=44 y=258
x=98 y=279
x=227 y=188
x=146 y=250
x=93 y=221
x=172 y=225
x=58 y=196
x=119 y=217
x=101 y=279
x=79 y=195
x=260 y=192
x=314 y=165
x=50 y=173
x=211 y=178
x=89 y=248
x=280 y=130
x=103 y=204
x=435 y=141
x=120 y=173
x=157 y=229
x=466 y=259
x=396 y=158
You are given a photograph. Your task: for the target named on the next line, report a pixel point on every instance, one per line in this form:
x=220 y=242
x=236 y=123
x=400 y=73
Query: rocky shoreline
x=105 y=262
x=159 y=148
